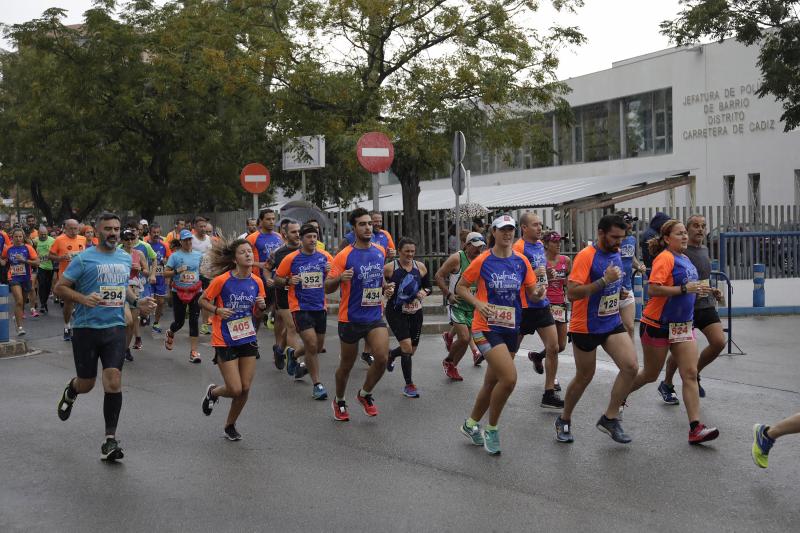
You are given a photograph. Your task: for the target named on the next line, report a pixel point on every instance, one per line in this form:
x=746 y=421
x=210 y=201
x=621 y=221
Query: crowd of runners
x=115 y=278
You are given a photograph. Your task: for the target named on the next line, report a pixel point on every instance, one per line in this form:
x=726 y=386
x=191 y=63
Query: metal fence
x=777 y=251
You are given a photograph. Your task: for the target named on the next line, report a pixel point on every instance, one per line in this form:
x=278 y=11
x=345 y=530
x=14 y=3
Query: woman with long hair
x=666 y=324
x=21 y=258
x=235 y=298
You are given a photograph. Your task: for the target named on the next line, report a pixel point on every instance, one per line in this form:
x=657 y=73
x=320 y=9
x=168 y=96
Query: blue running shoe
x=563 y=433
x=613 y=427
x=277 y=354
x=762 y=444
x=319 y=392
x=667 y=393
x=291 y=362
x=472 y=433
x=491 y=441
x=157 y=328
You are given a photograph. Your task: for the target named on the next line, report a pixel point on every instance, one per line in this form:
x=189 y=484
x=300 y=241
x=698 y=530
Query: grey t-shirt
x=699 y=257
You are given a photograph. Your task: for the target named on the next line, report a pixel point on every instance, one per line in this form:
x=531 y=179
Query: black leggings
x=45 y=280
x=179 y=309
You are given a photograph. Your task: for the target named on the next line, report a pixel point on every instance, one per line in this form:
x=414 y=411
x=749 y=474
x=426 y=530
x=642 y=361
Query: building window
x=729 y=191
x=797 y=186
x=754 y=196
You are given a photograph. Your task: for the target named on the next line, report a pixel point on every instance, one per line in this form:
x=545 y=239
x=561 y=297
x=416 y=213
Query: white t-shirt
x=202 y=246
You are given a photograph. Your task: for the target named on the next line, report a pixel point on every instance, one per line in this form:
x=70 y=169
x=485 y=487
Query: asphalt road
x=406 y=470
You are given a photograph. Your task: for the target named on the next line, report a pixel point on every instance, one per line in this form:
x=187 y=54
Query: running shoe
x=65 y=404
x=563 y=430
x=340 y=411
x=291 y=362
x=491 y=441
x=667 y=393
x=34 y=313
x=536 y=358
x=557 y=385
x=551 y=400
x=194 y=357
x=208 y=401
x=137 y=343
x=44 y=310
x=451 y=371
x=67 y=335
x=410 y=391
x=270 y=321
x=20 y=331
x=702 y=433
x=319 y=392
x=232 y=434
x=128 y=355
x=110 y=450
x=280 y=360
x=367 y=402
x=157 y=328
x=300 y=371
x=762 y=444
x=367 y=358
x=169 y=339
x=473 y=433
x=700 y=388
x=204 y=329
x=614 y=429
x=477 y=357
x=390 y=363
x=448 y=340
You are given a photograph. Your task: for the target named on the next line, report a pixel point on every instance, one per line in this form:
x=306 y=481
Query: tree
x=772 y=25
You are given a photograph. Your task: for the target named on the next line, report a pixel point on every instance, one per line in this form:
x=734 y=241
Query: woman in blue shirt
x=183 y=269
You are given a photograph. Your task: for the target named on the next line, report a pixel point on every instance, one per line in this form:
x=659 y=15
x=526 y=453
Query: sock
x=339 y=399
x=397 y=352
x=766 y=434
x=693 y=425
x=112 y=405
x=366 y=354
x=489 y=427
x=72 y=394
x=470 y=423
x=316 y=383
x=363 y=393
x=405 y=362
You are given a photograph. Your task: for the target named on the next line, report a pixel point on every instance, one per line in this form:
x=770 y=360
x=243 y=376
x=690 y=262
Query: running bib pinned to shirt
x=370 y=297
x=559 y=312
x=18 y=270
x=412 y=307
x=609 y=305
x=113 y=295
x=311 y=280
x=504 y=317
x=159 y=270
x=241 y=328
x=680 y=332
x=188 y=277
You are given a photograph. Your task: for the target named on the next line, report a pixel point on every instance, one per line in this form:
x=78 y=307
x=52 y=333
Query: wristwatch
x=683 y=288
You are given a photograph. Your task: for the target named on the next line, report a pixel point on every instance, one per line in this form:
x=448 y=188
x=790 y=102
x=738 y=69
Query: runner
x=136 y=280
x=380 y=236
x=21 y=258
x=150 y=260
x=558 y=268
x=764 y=437
x=65 y=247
x=235 y=298
x=45 y=277
x=31 y=227
x=404 y=309
x=252 y=227
x=159 y=288
x=183 y=269
x=285 y=333
x=627 y=251
x=706 y=318
x=264 y=242
x=666 y=323
x=358 y=271
x=320 y=244
x=594 y=288
x=91 y=240
x=174 y=235
x=202 y=242
x=459 y=310
x=304 y=272
x=536 y=316
x=96 y=281
x=502 y=276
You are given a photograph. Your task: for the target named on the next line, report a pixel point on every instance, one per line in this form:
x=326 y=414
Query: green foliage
x=772 y=25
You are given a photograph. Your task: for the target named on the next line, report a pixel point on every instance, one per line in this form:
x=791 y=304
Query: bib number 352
x=311 y=280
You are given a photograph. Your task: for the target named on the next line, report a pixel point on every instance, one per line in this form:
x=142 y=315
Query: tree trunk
x=410 y=186
x=41 y=202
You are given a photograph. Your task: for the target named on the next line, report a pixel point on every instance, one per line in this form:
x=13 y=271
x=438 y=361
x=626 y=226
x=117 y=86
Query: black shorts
x=231 y=353
x=588 y=342
x=205 y=282
x=405 y=325
x=90 y=344
x=352 y=332
x=705 y=317
x=318 y=320
x=534 y=318
x=281 y=298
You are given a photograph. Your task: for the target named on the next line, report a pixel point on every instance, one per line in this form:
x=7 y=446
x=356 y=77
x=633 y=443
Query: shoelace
x=342 y=407
x=368 y=399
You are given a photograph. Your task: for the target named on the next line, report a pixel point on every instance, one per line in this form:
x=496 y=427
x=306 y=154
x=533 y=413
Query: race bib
x=311 y=280
x=188 y=276
x=541 y=280
x=113 y=295
x=705 y=283
x=680 y=332
x=559 y=313
x=241 y=328
x=159 y=270
x=412 y=307
x=609 y=305
x=18 y=270
x=503 y=317
x=370 y=297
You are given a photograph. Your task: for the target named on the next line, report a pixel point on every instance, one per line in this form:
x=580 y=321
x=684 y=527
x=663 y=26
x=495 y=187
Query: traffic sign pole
x=376 y=192
x=255 y=180
x=255 y=206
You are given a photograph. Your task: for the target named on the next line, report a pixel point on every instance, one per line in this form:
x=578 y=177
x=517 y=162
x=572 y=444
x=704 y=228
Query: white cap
x=143 y=222
x=503 y=221
x=475 y=239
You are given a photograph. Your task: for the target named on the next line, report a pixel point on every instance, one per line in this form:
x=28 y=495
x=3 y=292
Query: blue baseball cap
x=186 y=234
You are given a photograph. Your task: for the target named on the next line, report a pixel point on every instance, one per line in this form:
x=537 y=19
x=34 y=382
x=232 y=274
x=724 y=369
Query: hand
x=261 y=303
x=270 y=283
x=540 y=271
x=388 y=290
x=486 y=309
x=347 y=275
x=694 y=287
x=146 y=305
x=717 y=294
x=623 y=294
x=152 y=279
x=612 y=274
x=641 y=268
x=540 y=292
x=421 y=294
x=294 y=280
x=551 y=273
x=92 y=300
x=181 y=268
x=454 y=298
x=704 y=290
x=224 y=312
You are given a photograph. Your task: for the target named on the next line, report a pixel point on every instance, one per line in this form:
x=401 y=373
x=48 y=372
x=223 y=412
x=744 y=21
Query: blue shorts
x=159 y=288
x=486 y=340
x=25 y=284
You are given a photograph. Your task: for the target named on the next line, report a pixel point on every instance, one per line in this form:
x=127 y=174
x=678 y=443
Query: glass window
x=754 y=197
x=729 y=190
x=797 y=186
x=565 y=137
x=577 y=130
x=639 y=125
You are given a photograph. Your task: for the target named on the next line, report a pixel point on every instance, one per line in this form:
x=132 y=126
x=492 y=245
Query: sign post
x=255 y=179
x=375 y=152
x=459 y=173
x=304 y=153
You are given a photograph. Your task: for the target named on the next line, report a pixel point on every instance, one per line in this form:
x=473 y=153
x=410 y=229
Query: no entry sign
x=375 y=152
x=254 y=178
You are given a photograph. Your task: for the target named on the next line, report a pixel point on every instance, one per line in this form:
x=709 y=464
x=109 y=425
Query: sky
x=615 y=29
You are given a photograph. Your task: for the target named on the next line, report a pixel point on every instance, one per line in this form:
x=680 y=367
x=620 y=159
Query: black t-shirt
x=699 y=257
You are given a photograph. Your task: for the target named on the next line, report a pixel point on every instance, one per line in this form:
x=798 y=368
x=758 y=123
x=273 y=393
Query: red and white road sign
x=375 y=152
x=254 y=178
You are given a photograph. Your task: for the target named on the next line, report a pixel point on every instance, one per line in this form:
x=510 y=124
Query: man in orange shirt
x=66 y=246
